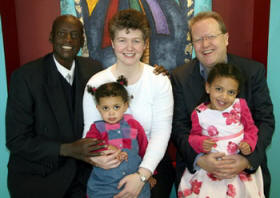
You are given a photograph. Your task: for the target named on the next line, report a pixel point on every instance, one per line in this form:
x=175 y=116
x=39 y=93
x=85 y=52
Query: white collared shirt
x=66 y=73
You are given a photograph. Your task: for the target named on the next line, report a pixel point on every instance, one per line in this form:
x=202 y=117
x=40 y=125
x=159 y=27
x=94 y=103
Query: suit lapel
x=57 y=99
x=79 y=83
x=243 y=93
x=196 y=82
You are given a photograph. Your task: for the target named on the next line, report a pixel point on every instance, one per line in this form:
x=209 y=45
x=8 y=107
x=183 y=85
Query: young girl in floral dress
x=224 y=124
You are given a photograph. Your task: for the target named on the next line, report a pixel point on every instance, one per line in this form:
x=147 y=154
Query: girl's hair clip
x=122 y=80
x=91 y=90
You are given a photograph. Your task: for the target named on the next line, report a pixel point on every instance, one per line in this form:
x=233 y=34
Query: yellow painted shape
x=91 y=5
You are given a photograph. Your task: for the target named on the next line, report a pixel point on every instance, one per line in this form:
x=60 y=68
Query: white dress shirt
x=66 y=73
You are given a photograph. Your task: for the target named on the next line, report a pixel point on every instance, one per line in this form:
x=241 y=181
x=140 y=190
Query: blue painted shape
x=135 y=5
x=177 y=1
x=67 y=7
x=202 y=5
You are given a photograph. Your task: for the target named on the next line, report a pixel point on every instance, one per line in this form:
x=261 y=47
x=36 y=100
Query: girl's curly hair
x=110 y=89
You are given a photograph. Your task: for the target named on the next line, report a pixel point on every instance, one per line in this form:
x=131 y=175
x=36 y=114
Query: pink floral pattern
x=231 y=192
x=196 y=186
x=187 y=192
x=202 y=107
x=180 y=194
x=245 y=177
x=212 y=177
x=237 y=107
x=232 y=117
x=184 y=193
x=212 y=131
x=232 y=147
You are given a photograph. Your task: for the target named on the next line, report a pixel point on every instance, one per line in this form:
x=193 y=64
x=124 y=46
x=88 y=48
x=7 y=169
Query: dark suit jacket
x=38 y=122
x=188 y=88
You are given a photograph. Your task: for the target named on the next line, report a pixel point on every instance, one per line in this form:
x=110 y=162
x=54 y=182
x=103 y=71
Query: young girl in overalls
x=224 y=124
x=118 y=131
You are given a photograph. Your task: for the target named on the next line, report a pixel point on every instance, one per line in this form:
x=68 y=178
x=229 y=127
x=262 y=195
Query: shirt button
x=123 y=173
x=119 y=131
x=120 y=145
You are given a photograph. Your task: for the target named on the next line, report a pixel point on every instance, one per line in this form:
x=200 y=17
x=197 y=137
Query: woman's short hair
x=129 y=19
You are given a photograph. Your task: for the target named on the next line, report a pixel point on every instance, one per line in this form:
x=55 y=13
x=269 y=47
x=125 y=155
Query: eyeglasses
x=63 y=34
x=207 y=37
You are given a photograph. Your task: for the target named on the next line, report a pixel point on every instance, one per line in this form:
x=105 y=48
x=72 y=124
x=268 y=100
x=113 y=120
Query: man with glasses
x=210 y=40
x=44 y=119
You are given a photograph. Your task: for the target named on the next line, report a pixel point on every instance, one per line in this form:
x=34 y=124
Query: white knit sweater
x=151 y=105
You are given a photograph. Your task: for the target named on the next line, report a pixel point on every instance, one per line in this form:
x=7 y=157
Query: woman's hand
x=107 y=160
x=132 y=186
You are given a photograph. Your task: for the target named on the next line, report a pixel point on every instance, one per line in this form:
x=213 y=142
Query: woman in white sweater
x=151 y=97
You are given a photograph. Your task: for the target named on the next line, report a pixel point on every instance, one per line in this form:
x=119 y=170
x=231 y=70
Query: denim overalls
x=103 y=183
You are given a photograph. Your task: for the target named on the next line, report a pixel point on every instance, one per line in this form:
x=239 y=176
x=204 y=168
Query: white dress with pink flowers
x=228 y=128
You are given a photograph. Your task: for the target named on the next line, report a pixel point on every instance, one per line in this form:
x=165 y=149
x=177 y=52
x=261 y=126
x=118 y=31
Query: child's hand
x=112 y=147
x=122 y=156
x=245 y=148
x=152 y=181
x=208 y=144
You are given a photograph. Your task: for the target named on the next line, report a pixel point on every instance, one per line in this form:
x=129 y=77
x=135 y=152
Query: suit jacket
x=38 y=122
x=188 y=89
